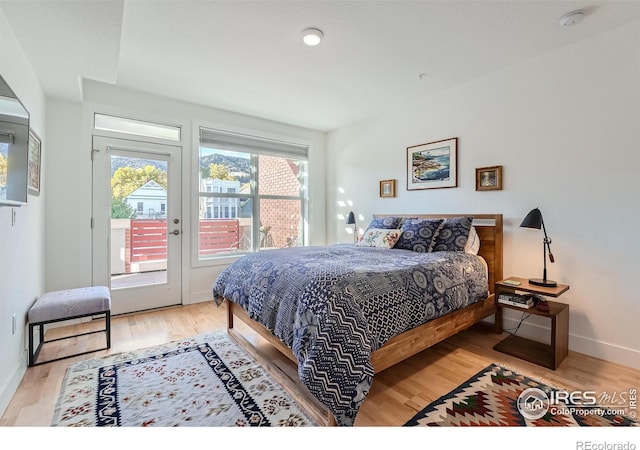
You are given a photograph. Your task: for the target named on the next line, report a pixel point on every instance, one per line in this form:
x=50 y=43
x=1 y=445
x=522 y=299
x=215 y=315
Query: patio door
x=137 y=223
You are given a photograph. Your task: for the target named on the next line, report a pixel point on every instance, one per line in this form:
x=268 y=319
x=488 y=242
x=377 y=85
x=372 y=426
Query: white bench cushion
x=58 y=305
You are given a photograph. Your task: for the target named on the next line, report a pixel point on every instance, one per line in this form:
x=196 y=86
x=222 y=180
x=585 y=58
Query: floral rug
x=497 y=396
x=204 y=381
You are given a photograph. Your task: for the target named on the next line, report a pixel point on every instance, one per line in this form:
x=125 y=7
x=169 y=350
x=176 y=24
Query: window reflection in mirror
x=14 y=148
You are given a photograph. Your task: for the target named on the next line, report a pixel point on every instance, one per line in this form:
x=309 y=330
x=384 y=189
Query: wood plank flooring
x=396 y=395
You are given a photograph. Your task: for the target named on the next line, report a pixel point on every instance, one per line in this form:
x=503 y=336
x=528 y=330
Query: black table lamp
x=534 y=220
x=351 y=220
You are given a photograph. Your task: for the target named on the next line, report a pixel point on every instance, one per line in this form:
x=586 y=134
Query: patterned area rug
x=204 y=381
x=497 y=396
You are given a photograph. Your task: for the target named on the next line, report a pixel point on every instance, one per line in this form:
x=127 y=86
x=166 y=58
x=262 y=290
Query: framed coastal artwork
x=432 y=165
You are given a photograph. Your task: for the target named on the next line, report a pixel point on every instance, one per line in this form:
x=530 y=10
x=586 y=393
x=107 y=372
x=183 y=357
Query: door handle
x=175 y=232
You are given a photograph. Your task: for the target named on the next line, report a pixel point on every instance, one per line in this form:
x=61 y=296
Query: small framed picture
x=388 y=188
x=489 y=178
x=34 y=163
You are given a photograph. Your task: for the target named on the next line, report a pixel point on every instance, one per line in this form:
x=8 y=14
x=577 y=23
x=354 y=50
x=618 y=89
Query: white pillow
x=473 y=242
x=379 y=237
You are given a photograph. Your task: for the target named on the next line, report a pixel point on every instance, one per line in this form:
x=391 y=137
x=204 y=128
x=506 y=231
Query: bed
x=343 y=313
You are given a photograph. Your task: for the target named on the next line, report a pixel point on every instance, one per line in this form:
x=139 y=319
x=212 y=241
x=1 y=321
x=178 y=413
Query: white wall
x=67 y=260
x=21 y=241
x=69 y=235
x=566 y=128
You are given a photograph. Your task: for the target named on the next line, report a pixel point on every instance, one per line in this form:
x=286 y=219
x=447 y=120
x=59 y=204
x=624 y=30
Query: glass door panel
x=137 y=229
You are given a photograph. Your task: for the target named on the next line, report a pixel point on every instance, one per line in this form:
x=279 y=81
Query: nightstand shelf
x=536 y=352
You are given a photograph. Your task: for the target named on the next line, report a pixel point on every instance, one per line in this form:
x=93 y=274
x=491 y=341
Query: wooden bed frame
x=409 y=343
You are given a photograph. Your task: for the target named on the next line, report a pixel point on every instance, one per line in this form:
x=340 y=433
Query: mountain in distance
x=239 y=167
x=136 y=163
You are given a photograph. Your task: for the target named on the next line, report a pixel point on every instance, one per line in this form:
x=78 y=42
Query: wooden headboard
x=489 y=229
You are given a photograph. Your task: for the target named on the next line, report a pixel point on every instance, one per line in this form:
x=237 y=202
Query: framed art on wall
x=489 y=178
x=388 y=188
x=433 y=165
x=33 y=178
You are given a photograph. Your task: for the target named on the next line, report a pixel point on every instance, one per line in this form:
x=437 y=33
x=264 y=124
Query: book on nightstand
x=520 y=301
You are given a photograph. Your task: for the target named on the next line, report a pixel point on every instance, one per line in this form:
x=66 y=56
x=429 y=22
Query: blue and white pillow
x=387 y=223
x=418 y=235
x=452 y=235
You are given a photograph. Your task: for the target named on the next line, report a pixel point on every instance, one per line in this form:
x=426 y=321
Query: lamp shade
x=533 y=219
x=351 y=218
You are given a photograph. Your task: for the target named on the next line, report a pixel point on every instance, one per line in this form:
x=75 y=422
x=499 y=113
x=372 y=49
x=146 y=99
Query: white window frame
x=304 y=198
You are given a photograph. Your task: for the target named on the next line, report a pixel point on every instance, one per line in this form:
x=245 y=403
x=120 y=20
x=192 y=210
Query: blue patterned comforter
x=335 y=305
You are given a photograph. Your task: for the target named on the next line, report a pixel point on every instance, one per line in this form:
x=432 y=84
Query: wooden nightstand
x=536 y=352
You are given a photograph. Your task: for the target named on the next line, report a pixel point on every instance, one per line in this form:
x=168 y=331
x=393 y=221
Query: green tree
x=122 y=210
x=220 y=172
x=3 y=170
x=125 y=180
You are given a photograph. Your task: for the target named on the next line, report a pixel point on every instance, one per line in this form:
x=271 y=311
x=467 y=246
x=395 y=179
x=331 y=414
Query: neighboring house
x=216 y=207
x=149 y=201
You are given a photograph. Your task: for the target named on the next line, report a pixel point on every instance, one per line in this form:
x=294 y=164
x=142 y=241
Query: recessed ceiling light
x=571 y=18
x=312 y=36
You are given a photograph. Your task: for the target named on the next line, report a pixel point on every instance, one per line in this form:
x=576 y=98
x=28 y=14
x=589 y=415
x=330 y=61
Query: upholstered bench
x=64 y=305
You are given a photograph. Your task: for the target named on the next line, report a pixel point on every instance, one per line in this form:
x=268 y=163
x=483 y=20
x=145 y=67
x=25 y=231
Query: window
x=136 y=127
x=257 y=189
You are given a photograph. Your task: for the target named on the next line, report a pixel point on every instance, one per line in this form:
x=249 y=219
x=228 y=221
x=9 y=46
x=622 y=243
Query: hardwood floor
x=396 y=395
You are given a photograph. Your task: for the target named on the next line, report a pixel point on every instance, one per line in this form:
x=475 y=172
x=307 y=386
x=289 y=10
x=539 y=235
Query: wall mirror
x=14 y=148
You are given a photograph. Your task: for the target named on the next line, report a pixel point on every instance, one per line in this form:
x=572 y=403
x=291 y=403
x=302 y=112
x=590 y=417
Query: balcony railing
x=139 y=245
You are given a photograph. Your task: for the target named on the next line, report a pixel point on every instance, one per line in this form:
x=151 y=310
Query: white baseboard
x=9 y=388
x=603 y=350
x=199 y=297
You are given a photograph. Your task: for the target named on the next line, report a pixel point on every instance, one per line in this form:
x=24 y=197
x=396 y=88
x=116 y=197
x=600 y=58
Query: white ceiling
x=247 y=56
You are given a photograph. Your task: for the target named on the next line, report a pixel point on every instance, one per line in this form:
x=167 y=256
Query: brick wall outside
x=279 y=176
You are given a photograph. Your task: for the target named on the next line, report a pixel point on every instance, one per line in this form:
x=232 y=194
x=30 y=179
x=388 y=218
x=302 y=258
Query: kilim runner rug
x=204 y=381
x=497 y=396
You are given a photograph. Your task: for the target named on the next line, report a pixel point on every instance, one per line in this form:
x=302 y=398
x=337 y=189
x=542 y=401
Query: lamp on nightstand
x=534 y=220
x=351 y=220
